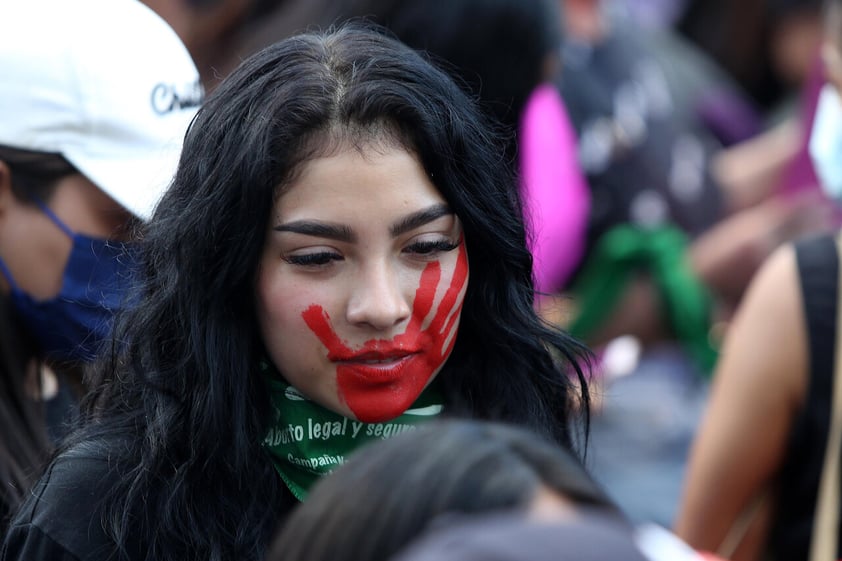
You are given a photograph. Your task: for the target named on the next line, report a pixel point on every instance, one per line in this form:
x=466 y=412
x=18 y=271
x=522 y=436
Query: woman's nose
x=378 y=298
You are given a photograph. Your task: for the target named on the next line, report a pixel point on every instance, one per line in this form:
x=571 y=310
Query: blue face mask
x=73 y=324
x=826 y=143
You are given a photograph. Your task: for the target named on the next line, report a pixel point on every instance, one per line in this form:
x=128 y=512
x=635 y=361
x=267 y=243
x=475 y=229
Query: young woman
x=340 y=255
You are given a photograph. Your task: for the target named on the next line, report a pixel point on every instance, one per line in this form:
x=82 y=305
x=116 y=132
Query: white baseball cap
x=106 y=83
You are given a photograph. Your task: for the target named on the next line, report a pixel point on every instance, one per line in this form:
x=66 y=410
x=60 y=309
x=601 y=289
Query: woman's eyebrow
x=416 y=219
x=339 y=232
x=318 y=229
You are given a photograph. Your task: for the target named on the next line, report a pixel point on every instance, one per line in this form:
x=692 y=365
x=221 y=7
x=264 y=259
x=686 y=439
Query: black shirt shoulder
x=62 y=517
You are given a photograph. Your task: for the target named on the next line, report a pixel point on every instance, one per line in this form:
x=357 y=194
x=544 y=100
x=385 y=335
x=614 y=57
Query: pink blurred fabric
x=554 y=189
x=800 y=176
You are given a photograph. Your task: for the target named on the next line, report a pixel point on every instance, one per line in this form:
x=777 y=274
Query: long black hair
x=25 y=445
x=391 y=491
x=183 y=378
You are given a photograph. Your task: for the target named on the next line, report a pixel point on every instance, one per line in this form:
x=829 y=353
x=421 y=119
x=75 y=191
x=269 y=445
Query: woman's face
x=361 y=282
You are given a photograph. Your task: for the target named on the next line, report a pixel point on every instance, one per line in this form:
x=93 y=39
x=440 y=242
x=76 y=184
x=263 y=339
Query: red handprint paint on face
x=383 y=378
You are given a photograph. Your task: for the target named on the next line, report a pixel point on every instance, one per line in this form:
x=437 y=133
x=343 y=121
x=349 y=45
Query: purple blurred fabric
x=800 y=176
x=729 y=117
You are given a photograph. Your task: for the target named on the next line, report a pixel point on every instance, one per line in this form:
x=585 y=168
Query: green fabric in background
x=625 y=252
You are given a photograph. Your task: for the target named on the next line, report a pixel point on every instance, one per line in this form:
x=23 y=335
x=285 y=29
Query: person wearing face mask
x=752 y=483
x=90 y=132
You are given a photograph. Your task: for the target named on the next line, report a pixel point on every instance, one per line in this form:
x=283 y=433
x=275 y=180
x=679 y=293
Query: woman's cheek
x=283 y=303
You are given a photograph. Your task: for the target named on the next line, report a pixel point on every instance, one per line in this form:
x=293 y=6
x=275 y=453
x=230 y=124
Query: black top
x=62 y=520
x=818 y=265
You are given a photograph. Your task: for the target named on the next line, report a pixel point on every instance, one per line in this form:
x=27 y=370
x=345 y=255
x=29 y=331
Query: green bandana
x=307 y=441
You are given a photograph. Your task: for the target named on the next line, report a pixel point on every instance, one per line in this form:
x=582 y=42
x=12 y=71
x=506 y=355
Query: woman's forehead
x=386 y=179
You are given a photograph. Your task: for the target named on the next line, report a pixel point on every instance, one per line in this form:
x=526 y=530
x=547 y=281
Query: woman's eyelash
x=310 y=259
x=425 y=247
x=326 y=257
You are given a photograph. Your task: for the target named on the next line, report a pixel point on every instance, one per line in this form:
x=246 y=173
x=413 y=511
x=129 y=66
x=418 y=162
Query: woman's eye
x=313 y=259
x=430 y=247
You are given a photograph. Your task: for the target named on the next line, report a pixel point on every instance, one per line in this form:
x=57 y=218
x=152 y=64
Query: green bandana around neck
x=306 y=440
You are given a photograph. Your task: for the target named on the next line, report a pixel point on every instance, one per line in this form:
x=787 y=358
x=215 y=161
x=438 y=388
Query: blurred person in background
x=668 y=230
x=90 y=131
x=759 y=43
x=765 y=45
x=752 y=483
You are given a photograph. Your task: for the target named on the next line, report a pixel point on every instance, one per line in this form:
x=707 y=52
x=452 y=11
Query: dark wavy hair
x=390 y=492
x=25 y=446
x=183 y=378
